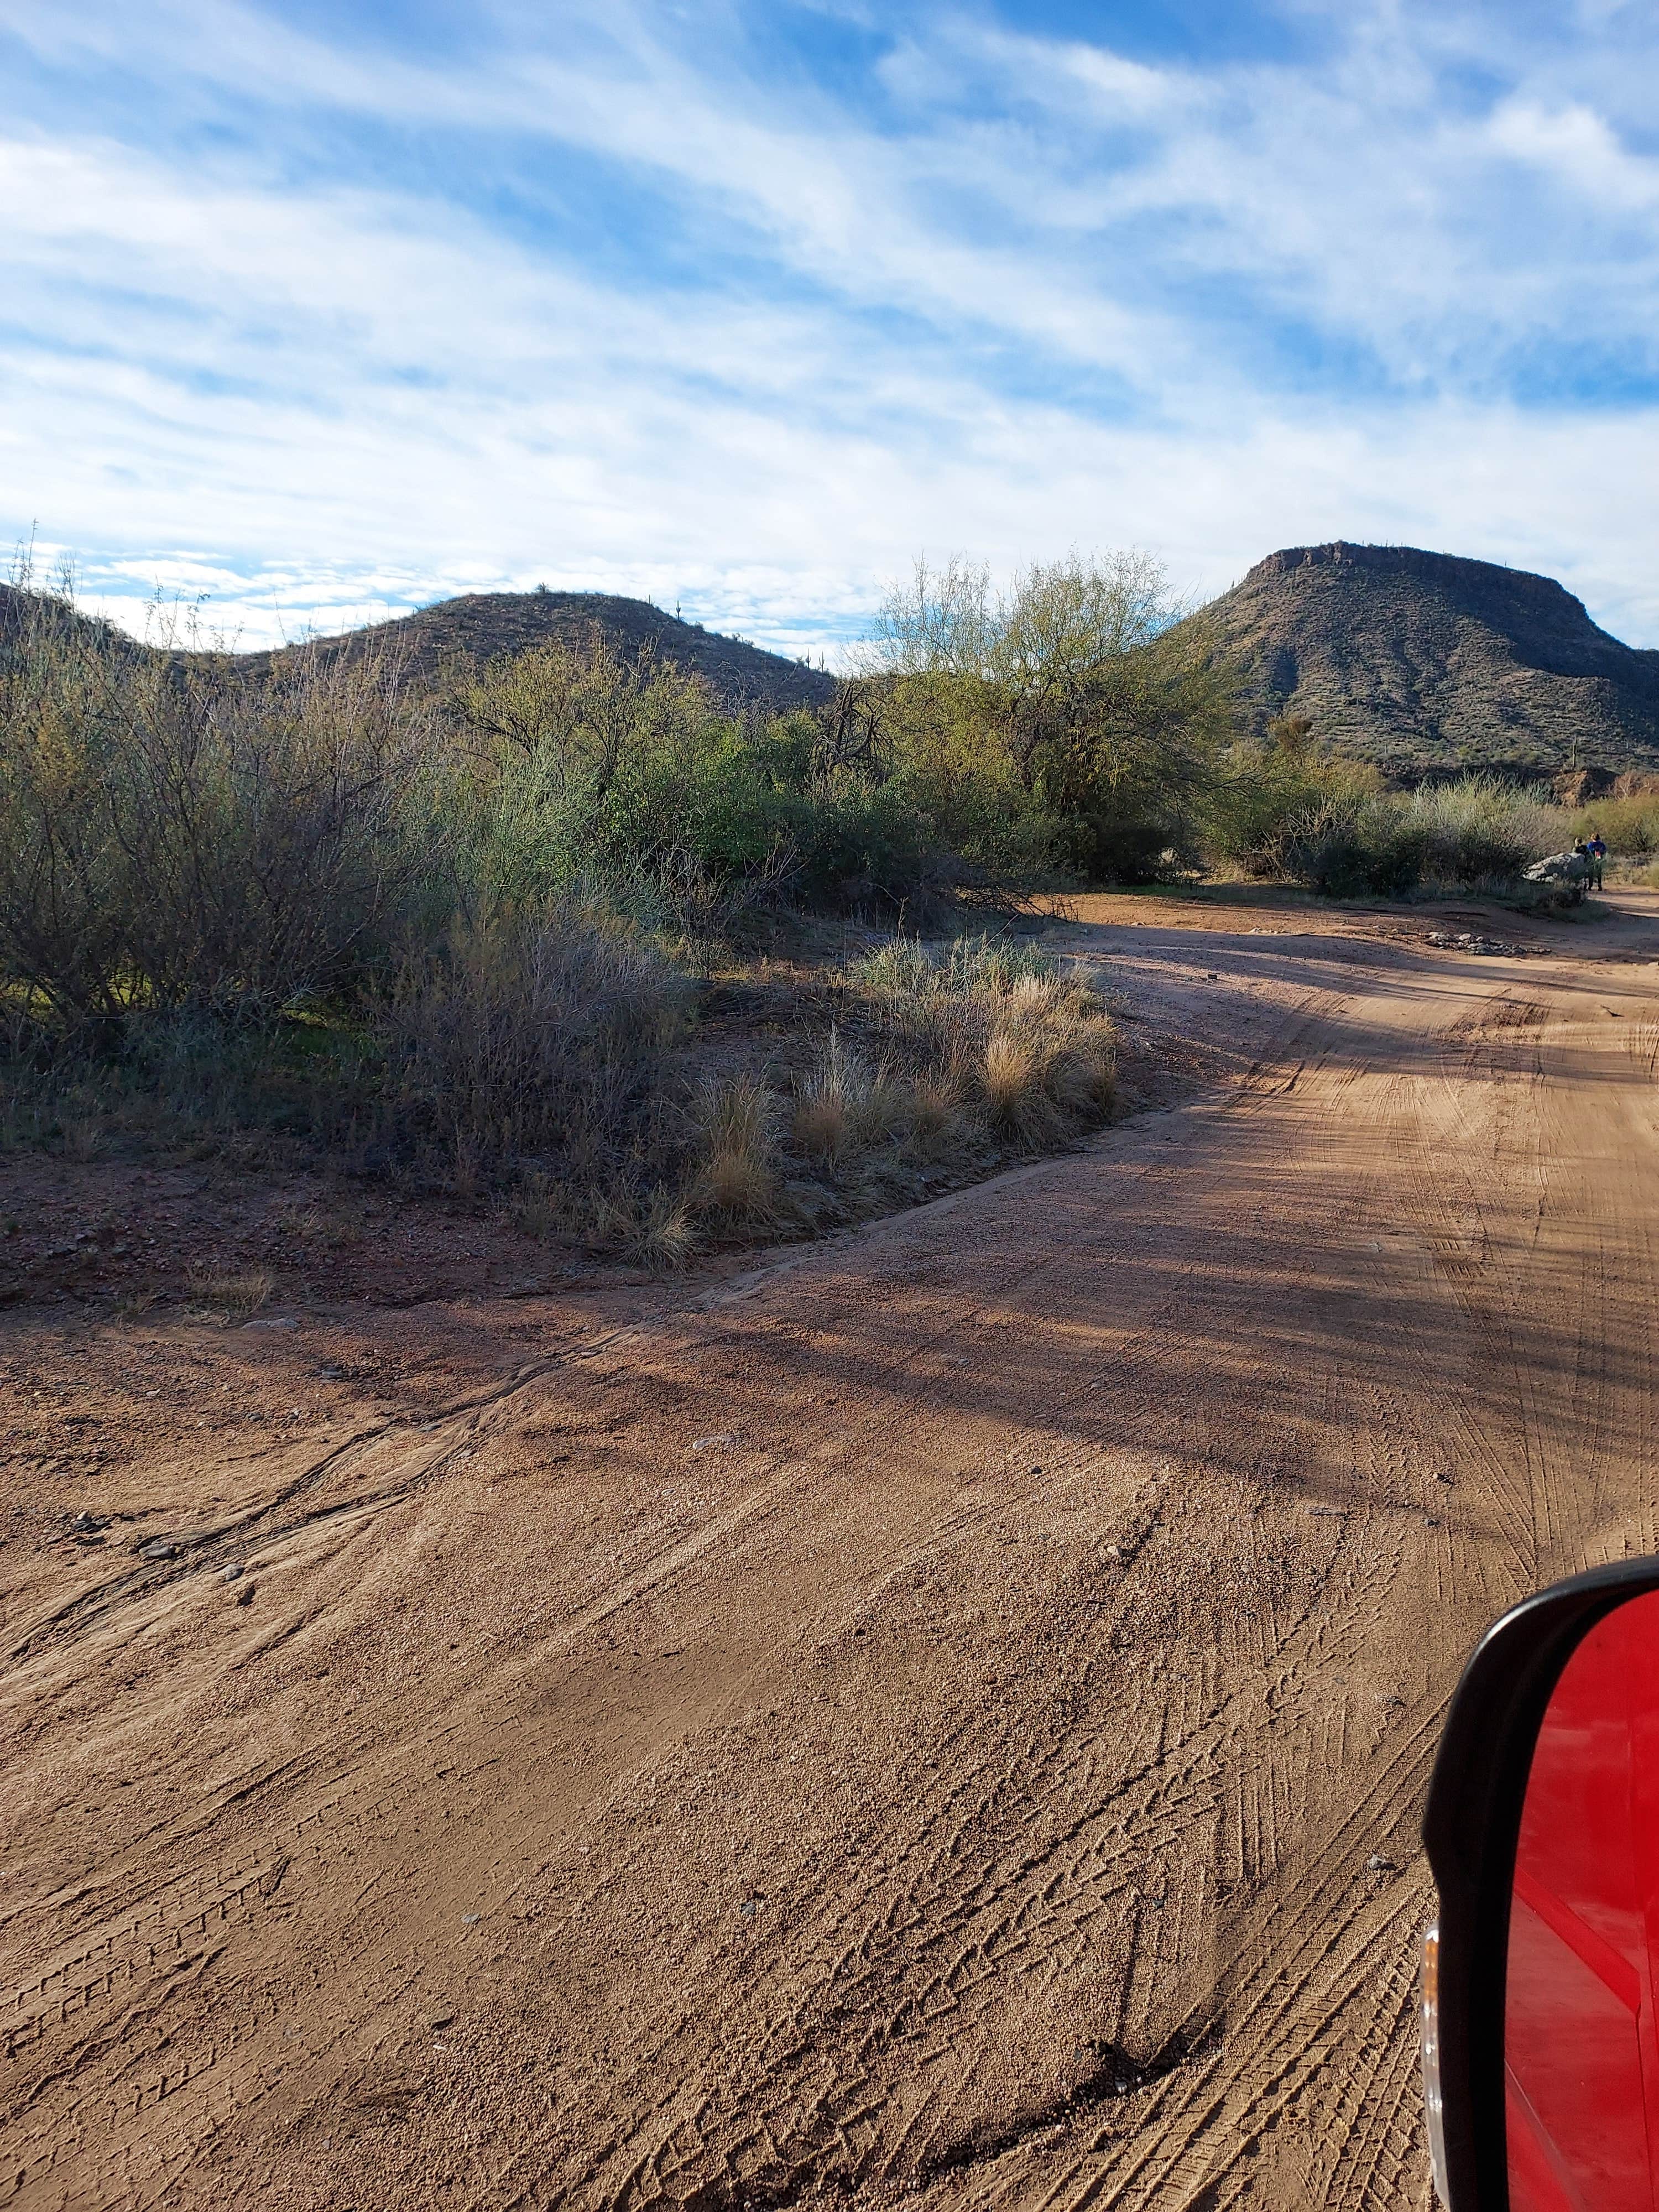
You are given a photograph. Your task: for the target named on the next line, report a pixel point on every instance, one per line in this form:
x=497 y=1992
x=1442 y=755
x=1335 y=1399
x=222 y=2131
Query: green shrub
x=1475 y=834
x=175 y=834
x=1266 y=793
x=1072 y=697
x=1628 y=824
x=580 y=768
x=529 y=1038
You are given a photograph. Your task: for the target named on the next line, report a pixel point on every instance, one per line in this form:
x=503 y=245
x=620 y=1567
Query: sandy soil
x=941 y=1716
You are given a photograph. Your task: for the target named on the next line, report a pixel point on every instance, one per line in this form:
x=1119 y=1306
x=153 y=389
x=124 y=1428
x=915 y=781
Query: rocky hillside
x=1427 y=663
x=488 y=624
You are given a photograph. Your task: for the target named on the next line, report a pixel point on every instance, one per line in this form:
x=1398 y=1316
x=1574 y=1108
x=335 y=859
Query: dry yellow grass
x=667 y=1236
x=1047 y=1073
x=976 y=1041
x=1082 y=1075
x=1012 y=1076
x=233 y=1296
x=935 y=1100
x=737 y=1184
x=821 y=1125
x=738 y=1179
x=845 y=1105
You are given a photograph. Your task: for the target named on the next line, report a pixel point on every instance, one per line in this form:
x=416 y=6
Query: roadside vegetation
x=467 y=939
x=473 y=936
x=1627 y=820
x=1284 y=809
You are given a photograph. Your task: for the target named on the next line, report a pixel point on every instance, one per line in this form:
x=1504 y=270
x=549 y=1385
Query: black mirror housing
x=1470 y=1831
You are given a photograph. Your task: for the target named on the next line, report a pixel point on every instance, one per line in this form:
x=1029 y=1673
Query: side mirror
x=1540 y=2040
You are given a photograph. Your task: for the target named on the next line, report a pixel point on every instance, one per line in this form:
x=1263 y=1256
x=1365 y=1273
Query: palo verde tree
x=1075 y=688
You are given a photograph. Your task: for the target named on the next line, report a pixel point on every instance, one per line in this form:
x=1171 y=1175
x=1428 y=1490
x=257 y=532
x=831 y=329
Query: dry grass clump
x=938 y=1063
x=665 y=1235
x=935 y=1101
x=1010 y=1076
x=820 y=1123
x=844 y=1104
x=1048 y=1069
x=996 y=1032
x=736 y=1180
x=231 y=1297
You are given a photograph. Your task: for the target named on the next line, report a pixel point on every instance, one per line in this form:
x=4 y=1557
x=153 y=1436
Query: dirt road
x=944 y=1717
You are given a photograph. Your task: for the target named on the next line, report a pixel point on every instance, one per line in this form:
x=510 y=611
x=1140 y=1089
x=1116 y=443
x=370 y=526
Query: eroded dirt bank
x=941 y=1718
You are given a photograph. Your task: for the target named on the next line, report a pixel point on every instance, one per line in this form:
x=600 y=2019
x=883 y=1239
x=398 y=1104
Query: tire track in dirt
x=1119 y=2180
x=988 y=1776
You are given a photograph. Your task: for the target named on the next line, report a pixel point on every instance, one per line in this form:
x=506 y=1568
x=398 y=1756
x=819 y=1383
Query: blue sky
x=318 y=312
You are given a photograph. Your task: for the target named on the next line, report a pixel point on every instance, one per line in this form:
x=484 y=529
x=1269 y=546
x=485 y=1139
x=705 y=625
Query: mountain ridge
x=489 y=625
x=1434 y=663
x=1428 y=664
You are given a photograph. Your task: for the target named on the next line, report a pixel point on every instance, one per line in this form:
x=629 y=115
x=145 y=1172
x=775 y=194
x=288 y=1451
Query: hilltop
x=1428 y=664
x=490 y=625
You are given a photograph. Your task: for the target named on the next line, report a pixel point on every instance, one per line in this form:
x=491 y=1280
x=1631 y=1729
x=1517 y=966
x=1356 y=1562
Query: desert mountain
x=489 y=624
x=1428 y=664
x=16 y=604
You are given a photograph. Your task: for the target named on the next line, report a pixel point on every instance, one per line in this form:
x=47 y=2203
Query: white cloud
x=1579 y=148
x=1051 y=295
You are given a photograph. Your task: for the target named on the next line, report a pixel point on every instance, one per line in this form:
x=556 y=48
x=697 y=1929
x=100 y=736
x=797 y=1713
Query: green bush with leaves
x=574 y=765
x=1265 y=790
x=1627 y=820
x=1476 y=834
x=1071 y=701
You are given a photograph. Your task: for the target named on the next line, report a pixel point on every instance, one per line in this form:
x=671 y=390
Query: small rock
x=245 y=1596
x=84 y=1523
x=159 y=1549
x=440 y=2016
x=714 y=1443
x=231 y=1575
x=470 y=1919
x=1378 y=1864
x=272 y=1321
x=84 y=1536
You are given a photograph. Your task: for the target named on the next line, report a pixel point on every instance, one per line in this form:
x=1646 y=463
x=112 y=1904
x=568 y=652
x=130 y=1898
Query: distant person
x=1595 y=852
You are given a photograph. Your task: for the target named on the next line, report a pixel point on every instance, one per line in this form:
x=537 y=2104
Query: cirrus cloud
x=321 y=316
